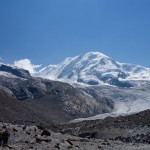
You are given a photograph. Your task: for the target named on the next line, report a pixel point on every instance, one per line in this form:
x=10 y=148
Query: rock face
x=15 y=71
x=55 y=101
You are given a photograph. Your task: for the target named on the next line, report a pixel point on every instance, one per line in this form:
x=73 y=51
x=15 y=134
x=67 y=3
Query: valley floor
x=29 y=138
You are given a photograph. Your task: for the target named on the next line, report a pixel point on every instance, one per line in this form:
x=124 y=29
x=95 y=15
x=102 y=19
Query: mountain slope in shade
x=53 y=100
x=15 y=111
x=95 y=68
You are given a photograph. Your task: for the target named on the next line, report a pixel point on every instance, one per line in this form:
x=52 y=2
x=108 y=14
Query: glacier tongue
x=126 y=106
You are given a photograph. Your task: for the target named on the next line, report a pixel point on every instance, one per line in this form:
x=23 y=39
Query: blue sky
x=47 y=31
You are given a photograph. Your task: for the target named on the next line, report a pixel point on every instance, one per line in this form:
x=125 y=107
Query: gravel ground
x=29 y=138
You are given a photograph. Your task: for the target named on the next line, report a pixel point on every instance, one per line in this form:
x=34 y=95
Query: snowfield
x=94 y=68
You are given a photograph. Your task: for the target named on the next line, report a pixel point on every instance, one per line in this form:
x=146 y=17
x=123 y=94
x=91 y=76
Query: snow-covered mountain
x=110 y=80
x=81 y=100
x=95 y=68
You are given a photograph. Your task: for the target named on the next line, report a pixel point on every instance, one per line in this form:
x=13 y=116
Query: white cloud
x=26 y=64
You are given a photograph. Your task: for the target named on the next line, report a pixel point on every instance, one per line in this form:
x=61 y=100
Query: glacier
x=126 y=85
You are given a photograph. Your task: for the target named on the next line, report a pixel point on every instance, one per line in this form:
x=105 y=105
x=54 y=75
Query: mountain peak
x=95 y=54
x=95 y=68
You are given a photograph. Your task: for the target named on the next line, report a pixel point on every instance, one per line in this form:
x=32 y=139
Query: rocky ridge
x=46 y=97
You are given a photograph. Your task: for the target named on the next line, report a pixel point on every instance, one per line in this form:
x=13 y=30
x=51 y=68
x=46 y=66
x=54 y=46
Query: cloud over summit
x=26 y=64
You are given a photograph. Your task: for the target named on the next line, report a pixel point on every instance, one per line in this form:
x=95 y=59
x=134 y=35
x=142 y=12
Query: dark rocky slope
x=14 y=111
x=132 y=128
x=55 y=101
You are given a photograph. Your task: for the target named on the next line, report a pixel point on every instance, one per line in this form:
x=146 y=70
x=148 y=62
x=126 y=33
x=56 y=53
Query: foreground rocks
x=132 y=129
x=32 y=138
